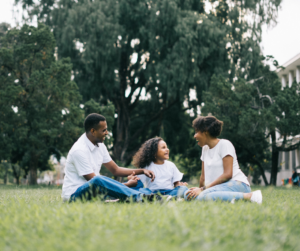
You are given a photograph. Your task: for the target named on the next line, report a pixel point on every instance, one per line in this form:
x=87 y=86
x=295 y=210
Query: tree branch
x=146 y=124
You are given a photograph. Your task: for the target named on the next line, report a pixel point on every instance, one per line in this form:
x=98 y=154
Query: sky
x=281 y=41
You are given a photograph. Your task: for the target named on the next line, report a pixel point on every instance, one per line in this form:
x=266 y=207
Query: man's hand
x=193 y=193
x=179 y=183
x=149 y=174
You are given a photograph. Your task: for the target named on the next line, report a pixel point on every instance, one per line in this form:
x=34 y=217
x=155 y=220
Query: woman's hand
x=193 y=193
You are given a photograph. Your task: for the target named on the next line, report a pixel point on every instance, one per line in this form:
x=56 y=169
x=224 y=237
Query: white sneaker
x=111 y=201
x=232 y=201
x=256 y=197
x=169 y=198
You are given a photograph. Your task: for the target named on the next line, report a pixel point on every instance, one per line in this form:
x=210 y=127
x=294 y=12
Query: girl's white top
x=213 y=162
x=165 y=176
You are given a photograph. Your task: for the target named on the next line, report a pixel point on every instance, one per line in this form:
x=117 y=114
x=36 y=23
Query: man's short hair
x=92 y=121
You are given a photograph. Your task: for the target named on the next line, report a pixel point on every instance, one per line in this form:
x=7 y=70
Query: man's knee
x=96 y=180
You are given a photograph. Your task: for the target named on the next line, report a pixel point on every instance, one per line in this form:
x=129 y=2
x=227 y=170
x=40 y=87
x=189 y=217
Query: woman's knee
x=185 y=195
x=181 y=190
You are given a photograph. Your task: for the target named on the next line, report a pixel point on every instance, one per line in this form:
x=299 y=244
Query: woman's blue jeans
x=101 y=185
x=225 y=192
x=176 y=192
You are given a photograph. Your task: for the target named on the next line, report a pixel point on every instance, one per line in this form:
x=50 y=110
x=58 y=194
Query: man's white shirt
x=83 y=158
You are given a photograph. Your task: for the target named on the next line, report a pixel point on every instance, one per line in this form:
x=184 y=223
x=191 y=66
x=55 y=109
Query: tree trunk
x=122 y=107
x=262 y=171
x=122 y=132
x=275 y=155
x=5 y=174
x=16 y=173
x=18 y=180
x=33 y=170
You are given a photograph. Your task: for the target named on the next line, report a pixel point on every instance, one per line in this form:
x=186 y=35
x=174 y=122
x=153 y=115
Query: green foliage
x=35 y=218
x=46 y=115
x=177 y=46
x=108 y=111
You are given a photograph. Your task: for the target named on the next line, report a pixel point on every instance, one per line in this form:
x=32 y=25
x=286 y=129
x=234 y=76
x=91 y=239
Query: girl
x=153 y=155
x=221 y=177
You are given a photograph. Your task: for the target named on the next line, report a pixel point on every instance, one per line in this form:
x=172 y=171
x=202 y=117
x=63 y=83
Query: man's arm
x=124 y=172
x=89 y=176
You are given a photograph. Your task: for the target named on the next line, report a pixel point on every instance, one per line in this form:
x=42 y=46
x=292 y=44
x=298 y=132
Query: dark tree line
x=146 y=58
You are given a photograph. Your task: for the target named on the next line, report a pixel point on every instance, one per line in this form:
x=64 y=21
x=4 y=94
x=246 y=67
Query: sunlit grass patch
x=36 y=219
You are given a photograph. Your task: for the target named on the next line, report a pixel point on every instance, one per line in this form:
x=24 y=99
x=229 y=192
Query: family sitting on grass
x=156 y=178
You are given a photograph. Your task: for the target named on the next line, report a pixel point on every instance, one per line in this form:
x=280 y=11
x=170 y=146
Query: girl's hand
x=193 y=193
x=178 y=183
x=132 y=180
x=132 y=183
x=132 y=176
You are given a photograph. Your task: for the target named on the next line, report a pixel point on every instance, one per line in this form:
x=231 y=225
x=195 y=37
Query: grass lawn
x=36 y=219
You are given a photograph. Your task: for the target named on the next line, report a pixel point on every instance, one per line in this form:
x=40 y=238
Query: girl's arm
x=227 y=175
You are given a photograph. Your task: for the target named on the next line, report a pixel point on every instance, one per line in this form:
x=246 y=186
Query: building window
x=287 y=160
x=293 y=159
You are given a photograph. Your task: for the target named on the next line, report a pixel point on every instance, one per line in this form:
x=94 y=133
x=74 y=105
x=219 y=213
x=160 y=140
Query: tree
x=279 y=108
x=129 y=51
x=39 y=104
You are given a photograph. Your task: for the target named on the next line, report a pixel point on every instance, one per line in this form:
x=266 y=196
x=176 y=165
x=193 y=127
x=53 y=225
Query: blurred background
x=150 y=67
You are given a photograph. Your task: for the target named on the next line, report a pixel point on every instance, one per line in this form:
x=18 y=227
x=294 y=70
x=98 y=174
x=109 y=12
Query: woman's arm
x=227 y=175
x=202 y=177
x=193 y=192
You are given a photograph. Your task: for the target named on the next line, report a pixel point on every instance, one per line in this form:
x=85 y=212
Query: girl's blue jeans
x=176 y=192
x=225 y=192
x=101 y=185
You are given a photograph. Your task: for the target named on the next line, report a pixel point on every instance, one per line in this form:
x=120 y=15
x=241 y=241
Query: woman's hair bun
x=208 y=124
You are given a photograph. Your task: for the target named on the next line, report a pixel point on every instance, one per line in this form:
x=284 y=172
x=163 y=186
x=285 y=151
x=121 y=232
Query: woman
x=221 y=177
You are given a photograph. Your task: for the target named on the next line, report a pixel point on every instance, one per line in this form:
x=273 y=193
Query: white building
x=288 y=160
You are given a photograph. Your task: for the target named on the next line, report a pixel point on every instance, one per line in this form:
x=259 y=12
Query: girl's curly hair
x=147 y=153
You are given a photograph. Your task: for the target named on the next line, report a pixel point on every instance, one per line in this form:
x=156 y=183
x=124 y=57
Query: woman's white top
x=165 y=176
x=213 y=162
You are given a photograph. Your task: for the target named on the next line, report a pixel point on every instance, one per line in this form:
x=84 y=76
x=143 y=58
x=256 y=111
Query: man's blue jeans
x=177 y=191
x=101 y=185
x=225 y=192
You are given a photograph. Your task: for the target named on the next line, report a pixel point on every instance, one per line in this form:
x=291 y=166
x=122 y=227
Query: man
x=82 y=172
